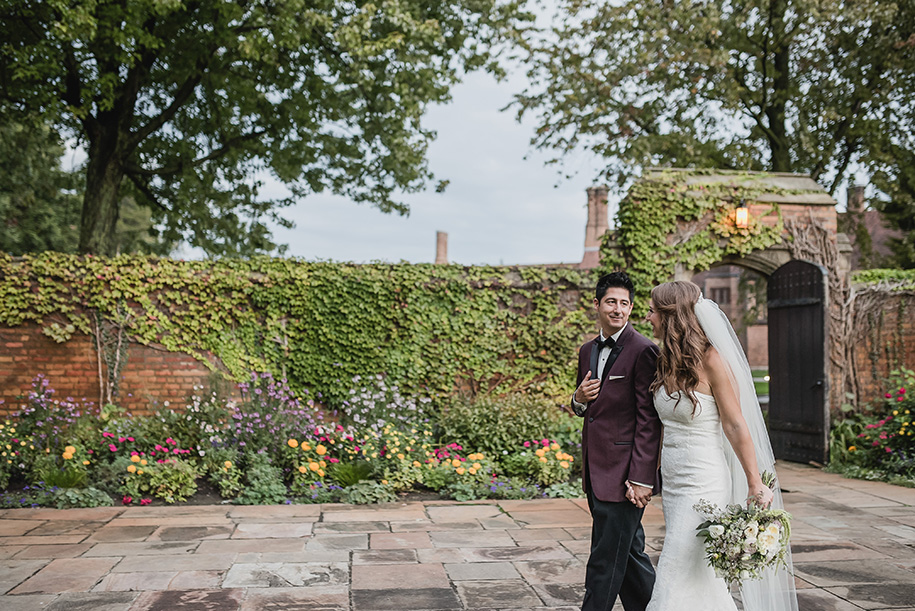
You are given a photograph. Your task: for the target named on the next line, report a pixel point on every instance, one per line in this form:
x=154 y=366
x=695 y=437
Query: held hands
x=588 y=390
x=639 y=496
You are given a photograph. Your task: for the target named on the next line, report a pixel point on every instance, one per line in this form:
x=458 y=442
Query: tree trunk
x=781 y=85
x=101 y=203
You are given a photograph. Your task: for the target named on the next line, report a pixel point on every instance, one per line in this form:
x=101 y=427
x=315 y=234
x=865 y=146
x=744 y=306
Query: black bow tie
x=601 y=343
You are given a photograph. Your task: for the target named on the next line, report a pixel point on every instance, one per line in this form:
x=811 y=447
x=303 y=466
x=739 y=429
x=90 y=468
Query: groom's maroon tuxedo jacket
x=621 y=434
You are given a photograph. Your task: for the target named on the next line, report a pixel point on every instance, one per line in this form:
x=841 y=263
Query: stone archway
x=793 y=203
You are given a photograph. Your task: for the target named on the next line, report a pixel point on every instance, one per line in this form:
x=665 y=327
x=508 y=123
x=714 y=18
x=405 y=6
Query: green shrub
x=348 y=473
x=565 y=490
x=264 y=482
x=172 y=480
x=542 y=461
x=498 y=425
x=223 y=471
x=368 y=492
x=69 y=498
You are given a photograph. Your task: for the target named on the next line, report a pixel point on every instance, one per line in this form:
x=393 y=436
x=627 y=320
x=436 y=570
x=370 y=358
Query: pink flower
x=527 y=444
x=875 y=443
x=122 y=439
x=130 y=439
x=900 y=398
x=888 y=450
x=145 y=501
x=888 y=395
x=112 y=447
x=127 y=500
x=134 y=453
x=902 y=391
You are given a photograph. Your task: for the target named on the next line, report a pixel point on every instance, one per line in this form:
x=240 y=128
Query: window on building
x=721 y=295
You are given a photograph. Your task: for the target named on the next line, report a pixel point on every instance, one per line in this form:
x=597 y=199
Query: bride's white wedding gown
x=693 y=467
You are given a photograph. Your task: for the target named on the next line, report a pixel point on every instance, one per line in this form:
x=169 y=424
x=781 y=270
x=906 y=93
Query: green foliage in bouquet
x=743 y=541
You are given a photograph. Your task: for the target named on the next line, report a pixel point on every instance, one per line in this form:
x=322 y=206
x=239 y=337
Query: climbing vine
x=430 y=328
x=684 y=218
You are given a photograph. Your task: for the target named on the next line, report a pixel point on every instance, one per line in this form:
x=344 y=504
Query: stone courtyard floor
x=853 y=544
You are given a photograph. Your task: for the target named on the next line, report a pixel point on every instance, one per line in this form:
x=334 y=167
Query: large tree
x=810 y=86
x=187 y=105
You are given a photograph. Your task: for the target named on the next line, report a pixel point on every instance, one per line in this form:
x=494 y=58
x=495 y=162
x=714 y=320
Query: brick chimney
x=598 y=225
x=441 y=247
x=855 y=199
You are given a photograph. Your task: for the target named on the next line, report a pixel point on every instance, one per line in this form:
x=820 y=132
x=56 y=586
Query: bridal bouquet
x=741 y=542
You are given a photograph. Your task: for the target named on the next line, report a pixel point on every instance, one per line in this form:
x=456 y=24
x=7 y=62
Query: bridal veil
x=775 y=590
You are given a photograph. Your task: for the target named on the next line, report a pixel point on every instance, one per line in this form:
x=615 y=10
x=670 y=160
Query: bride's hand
x=761 y=495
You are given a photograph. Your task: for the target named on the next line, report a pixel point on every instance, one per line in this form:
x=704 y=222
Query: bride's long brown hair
x=683 y=343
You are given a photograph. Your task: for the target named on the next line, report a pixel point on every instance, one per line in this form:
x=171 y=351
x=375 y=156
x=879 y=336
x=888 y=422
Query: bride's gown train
x=693 y=467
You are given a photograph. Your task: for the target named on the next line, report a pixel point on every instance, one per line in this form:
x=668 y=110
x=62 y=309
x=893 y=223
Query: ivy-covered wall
x=430 y=328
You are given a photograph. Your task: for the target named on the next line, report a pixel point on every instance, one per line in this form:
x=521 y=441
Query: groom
x=620 y=442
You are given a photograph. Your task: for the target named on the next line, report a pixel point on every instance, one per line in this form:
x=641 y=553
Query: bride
x=715 y=446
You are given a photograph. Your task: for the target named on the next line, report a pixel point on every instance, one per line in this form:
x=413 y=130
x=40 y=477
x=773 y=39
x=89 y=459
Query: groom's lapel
x=614 y=354
x=595 y=355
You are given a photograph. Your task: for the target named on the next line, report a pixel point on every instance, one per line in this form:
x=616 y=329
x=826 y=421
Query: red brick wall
x=886 y=342
x=151 y=376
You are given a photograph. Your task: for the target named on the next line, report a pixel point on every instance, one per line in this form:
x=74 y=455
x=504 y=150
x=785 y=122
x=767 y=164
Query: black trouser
x=618 y=565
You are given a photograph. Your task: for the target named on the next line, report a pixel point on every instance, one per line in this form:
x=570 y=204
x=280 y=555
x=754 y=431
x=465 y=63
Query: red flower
x=900 y=398
x=127 y=500
x=888 y=395
x=902 y=391
x=145 y=501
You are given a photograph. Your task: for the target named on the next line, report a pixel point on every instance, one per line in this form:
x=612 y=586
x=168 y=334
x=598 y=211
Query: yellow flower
x=70 y=450
x=85 y=462
x=385 y=482
x=303 y=469
x=67 y=455
x=460 y=470
x=895 y=412
x=852 y=448
x=554 y=446
x=131 y=468
x=314 y=466
x=22 y=443
x=228 y=464
x=293 y=443
x=564 y=464
x=540 y=452
x=134 y=458
x=321 y=450
x=543 y=459
x=400 y=456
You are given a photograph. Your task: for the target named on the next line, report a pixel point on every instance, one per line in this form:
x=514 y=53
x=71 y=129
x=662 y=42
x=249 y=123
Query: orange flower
x=314 y=466
x=564 y=465
x=228 y=464
x=292 y=443
x=303 y=469
x=134 y=458
x=543 y=459
x=554 y=446
x=67 y=455
x=70 y=450
x=460 y=470
x=131 y=468
x=540 y=452
x=321 y=450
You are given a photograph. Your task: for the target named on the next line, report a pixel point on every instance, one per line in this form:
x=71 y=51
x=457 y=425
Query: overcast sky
x=499 y=207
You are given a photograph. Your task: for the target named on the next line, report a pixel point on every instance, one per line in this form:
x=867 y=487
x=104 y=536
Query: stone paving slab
x=854 y=549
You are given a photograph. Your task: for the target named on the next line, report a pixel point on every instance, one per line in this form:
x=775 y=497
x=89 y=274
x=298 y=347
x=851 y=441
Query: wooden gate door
x=798 y=335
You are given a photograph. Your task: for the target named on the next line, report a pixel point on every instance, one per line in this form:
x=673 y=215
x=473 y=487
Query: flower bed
x=880 y=443
x=274 y=447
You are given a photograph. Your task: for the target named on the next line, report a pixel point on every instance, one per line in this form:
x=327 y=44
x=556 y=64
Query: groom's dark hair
x=614 y=280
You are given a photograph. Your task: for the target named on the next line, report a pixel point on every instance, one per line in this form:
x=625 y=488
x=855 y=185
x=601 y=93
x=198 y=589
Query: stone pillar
x=597 y=226
x=441 y=247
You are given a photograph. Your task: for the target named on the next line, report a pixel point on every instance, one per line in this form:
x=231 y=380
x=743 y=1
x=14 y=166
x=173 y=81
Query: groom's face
x=613 y=310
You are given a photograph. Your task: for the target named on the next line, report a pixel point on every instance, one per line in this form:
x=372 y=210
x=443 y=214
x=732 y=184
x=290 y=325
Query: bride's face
x=654 y=319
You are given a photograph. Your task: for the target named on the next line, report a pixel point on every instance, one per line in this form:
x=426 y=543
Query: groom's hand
x=639 y=495
x=587 y=390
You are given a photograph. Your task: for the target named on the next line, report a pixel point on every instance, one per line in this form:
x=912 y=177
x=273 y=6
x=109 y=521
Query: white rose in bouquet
x=715 y=530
